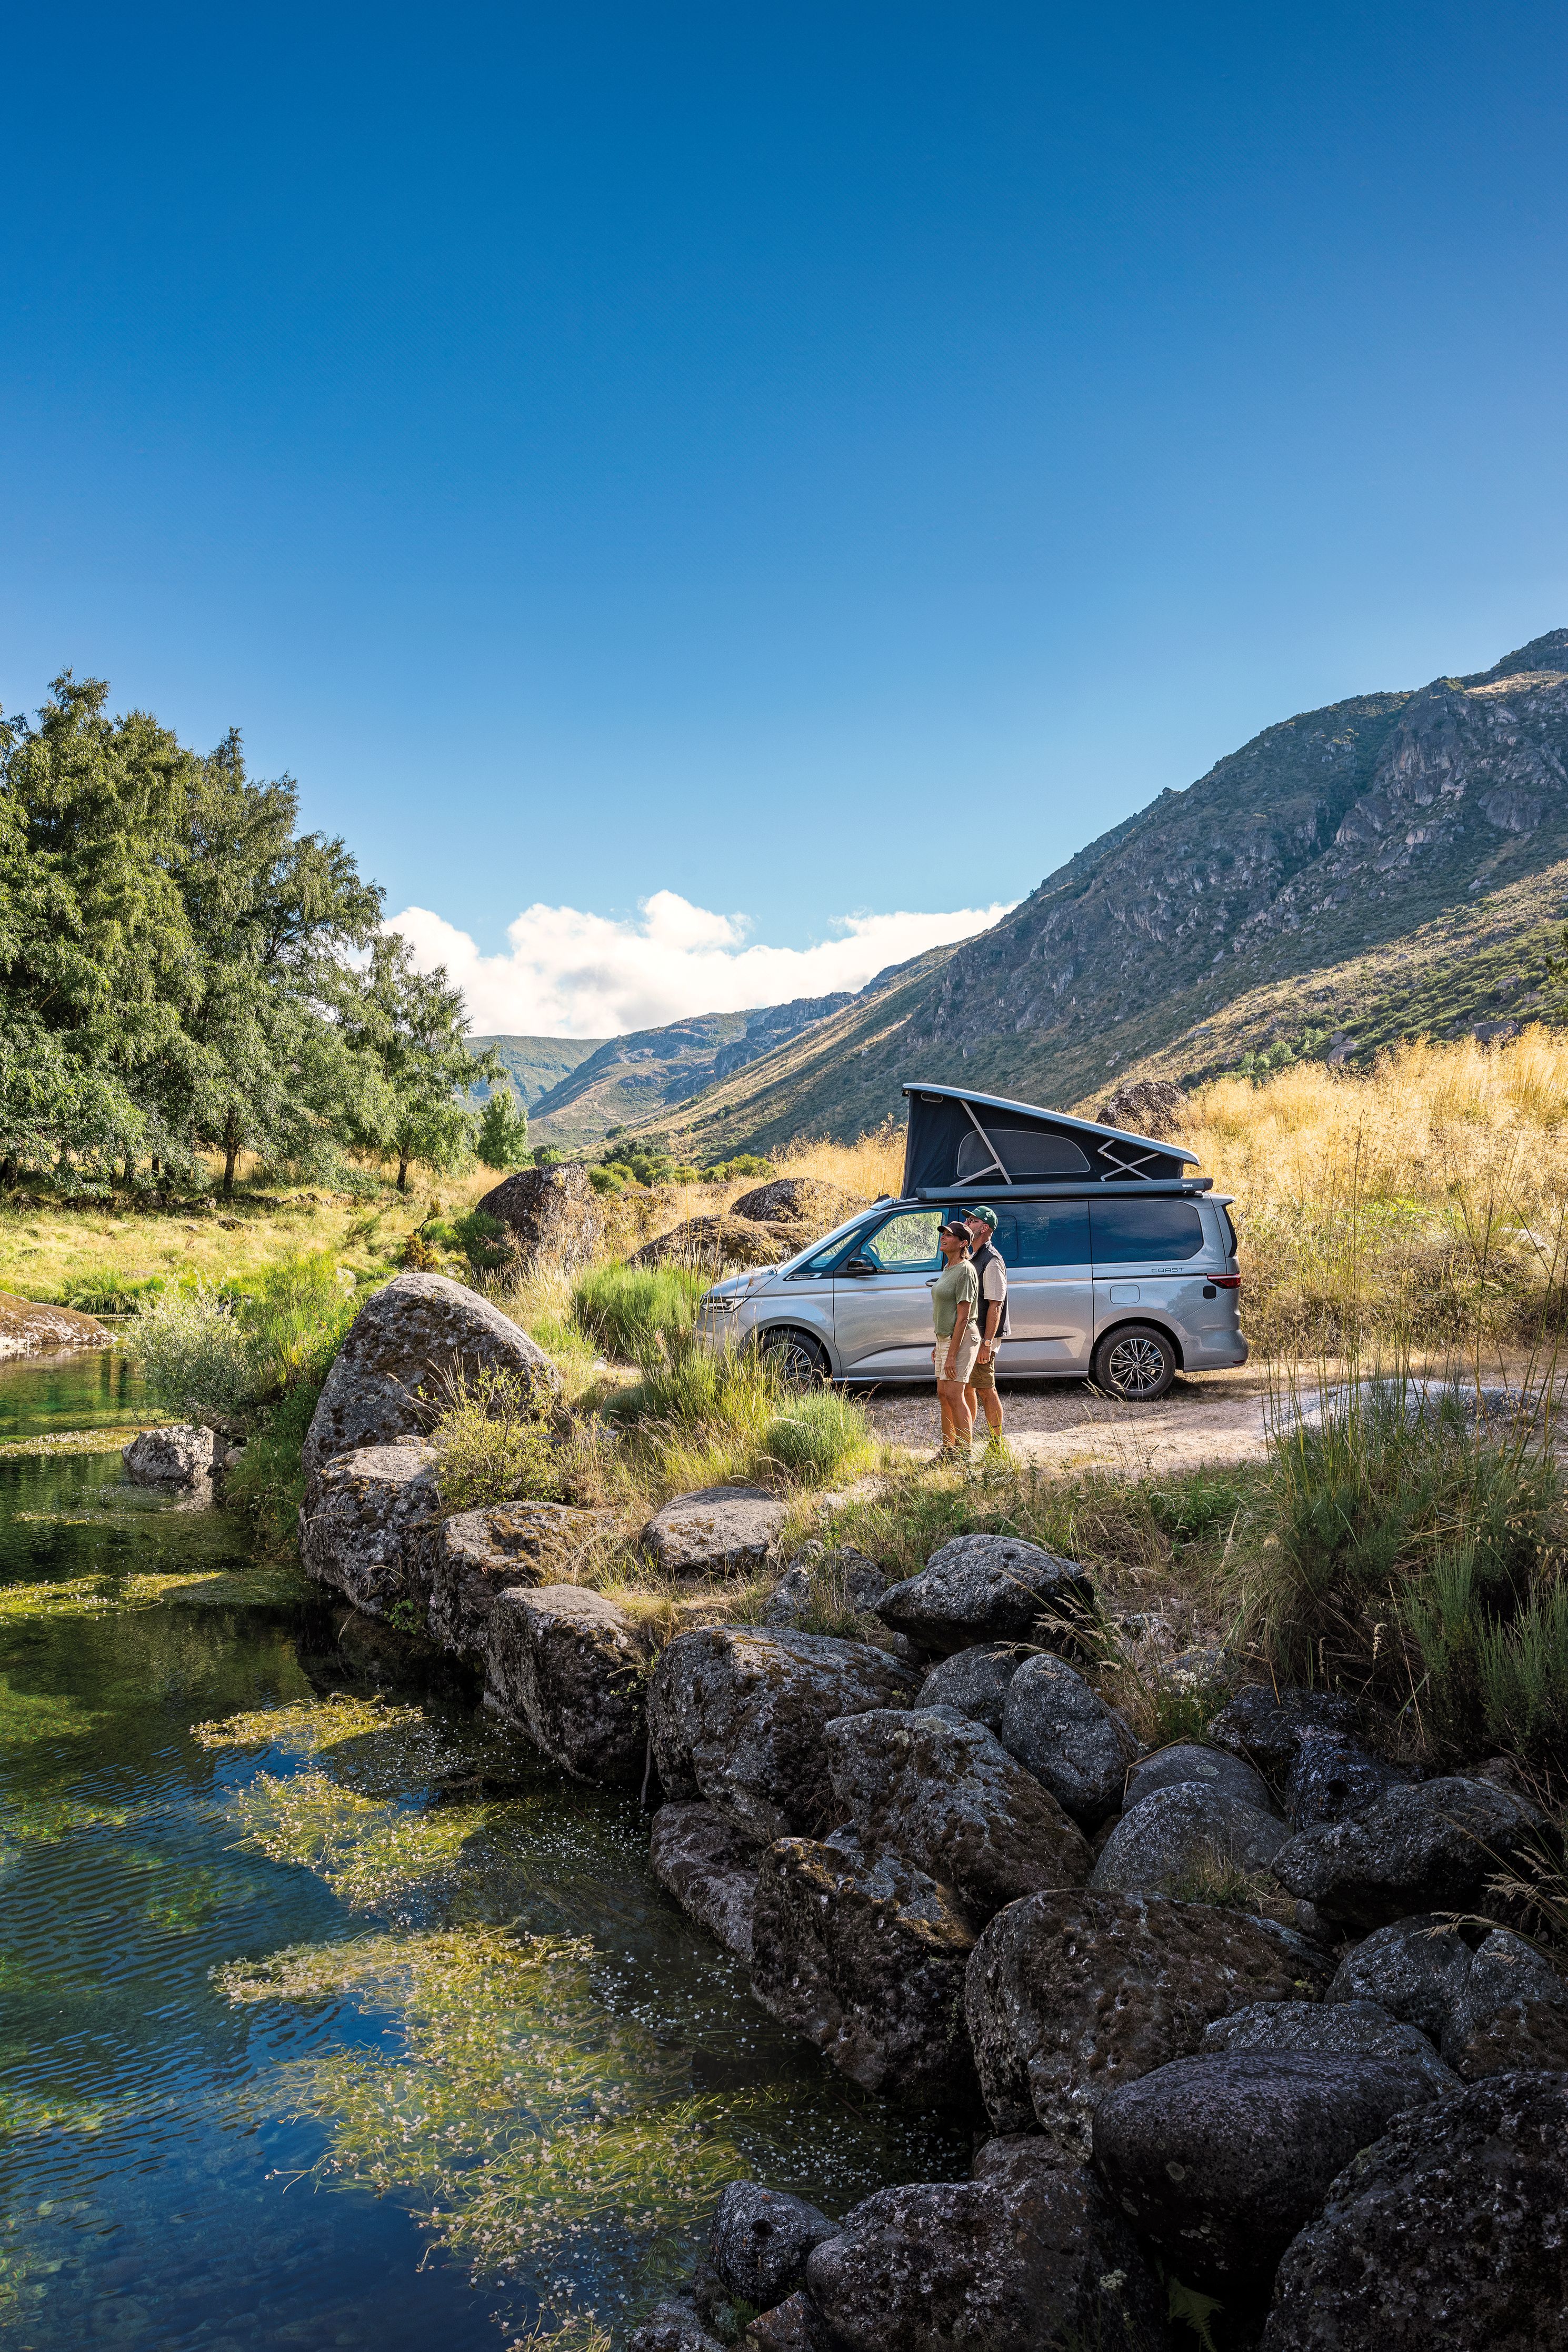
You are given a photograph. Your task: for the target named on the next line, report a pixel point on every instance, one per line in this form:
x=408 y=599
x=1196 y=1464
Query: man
x=992 y=1273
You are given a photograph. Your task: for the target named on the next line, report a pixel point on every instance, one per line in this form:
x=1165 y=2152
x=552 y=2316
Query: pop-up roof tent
x=963 y=1142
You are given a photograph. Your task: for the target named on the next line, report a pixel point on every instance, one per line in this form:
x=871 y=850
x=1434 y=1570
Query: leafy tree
x=410 y=1027
x=502 y=1140
x=268 y=1064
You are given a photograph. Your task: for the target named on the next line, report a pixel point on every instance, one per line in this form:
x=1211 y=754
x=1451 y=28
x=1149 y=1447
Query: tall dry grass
x=1429 y=1196
x=871 y=1165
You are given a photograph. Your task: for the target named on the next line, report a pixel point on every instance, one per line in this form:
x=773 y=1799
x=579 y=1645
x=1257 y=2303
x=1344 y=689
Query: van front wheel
x=1135 y=1364
x=797 y=1359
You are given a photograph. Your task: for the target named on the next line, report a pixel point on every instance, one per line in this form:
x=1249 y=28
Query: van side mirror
x=859 y=1265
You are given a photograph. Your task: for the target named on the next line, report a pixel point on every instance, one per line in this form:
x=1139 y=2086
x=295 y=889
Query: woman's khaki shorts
x=963 y=1359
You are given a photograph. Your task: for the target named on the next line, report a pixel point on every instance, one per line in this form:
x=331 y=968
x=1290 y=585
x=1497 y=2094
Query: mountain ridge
x=1313 y=849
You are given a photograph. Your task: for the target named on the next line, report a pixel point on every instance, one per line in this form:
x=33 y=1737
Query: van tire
x=1135 y=1364
x=799 y=1361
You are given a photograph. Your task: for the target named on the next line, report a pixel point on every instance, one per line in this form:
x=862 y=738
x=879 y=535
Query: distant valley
x=1392 y=865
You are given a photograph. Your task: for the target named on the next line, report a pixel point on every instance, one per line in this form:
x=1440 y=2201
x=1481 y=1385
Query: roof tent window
x=1026 y=1154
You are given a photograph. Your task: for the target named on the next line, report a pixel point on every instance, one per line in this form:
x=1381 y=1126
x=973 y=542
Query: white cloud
x=571 y=974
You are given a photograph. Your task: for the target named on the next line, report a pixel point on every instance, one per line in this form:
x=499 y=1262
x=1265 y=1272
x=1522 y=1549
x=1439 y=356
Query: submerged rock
x=738 y=1715
x=673 y=2326
x=702 y=1860
x=473 y=1555
x=569 y=1667
x=1059 y=1731
x=1452 y=2228
x=930 y=1784
x=403 y=1340
x=983 y=1589
x=714 y=1531
x=1069 y=1994
x=1428 y=1848
x=366 y=1523
x=1029 y=2256
x=181 y=1456
x=1219 y=2159
x=866 y=1959
x=1169 y=1842
x=759 y=2242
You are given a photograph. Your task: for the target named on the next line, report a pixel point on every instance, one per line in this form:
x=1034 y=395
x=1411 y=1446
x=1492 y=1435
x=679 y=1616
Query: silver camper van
x=1120 y=1265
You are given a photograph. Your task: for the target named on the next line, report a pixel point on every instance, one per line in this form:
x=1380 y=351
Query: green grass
x=491 y=1445
x=629 y=1311
x=818 y=1438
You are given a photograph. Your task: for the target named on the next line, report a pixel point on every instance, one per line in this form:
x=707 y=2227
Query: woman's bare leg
x=956 y=1426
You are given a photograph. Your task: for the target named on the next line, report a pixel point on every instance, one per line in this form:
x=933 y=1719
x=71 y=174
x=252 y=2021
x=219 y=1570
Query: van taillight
x=1226 y=1281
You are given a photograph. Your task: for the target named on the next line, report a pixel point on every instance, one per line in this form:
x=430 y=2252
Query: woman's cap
x=960 y=1233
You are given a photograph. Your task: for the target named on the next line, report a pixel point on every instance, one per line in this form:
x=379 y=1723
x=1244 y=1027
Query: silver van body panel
x=875 y=1324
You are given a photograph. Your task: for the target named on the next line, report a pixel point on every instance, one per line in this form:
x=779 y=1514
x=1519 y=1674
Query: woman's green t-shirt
x=954 y=1287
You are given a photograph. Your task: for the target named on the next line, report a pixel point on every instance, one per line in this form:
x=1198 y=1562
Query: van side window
x=906 y=1244
x=1050 y=1233
x=1127 y=1232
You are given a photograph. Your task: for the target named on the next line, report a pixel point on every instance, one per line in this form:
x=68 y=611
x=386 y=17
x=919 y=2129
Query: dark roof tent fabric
x=979 y=1142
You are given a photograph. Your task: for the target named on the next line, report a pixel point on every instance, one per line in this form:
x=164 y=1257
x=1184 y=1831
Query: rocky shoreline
x=1201 y=2007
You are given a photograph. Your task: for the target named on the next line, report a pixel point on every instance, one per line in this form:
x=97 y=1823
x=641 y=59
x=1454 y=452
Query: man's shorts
x=984 y=1376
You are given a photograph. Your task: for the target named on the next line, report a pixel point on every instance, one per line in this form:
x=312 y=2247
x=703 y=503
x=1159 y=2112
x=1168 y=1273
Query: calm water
x=494 y=2082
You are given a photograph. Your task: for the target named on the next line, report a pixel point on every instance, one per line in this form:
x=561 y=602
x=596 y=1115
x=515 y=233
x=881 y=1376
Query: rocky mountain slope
x=535 y=1064
x=1394 y=863
x=621 y=1081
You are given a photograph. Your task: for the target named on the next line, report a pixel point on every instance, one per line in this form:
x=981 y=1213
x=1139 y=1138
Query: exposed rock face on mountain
x=1330 y=833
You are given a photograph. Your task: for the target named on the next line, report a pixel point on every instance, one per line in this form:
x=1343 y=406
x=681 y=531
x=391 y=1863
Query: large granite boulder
x=1508 y=2011
x=933 y=1785
x=473 y=1555
x=1029 y=2256
x=1154 y=1106
x=865 y=1958
x=717 y=1531
x=407 y=1336
x=1450 y=2231
x=550 y=1212
x=182 y=1454
x=759 y=2242
x=1265 y=1726
x=712 y=1243
x=568 y=1666
x=737 y=1714
x=1415 y=1970
x=1219 y=2160
x=702 y=1860
x=1178 y=1837
x=983 y=1589
x=974 y=1681
x=848 y=1576
x=1328 y=2029
x=1186 y=1762
x=1064 y=1734
x=796 y=1200
x=1069 y=1994
x=366 y=1525
x=673 y=2326
x=1428 y=1848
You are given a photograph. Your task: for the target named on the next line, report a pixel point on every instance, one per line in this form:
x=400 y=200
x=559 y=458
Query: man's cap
x=983 y=1217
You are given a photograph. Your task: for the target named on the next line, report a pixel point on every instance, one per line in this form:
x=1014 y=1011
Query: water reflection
x=327 y=2020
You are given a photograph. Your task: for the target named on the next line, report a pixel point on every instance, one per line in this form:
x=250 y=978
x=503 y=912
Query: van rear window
x=1128 y=1232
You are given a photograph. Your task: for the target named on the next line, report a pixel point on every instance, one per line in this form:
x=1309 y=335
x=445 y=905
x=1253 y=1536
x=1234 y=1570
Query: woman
x=954 y=1309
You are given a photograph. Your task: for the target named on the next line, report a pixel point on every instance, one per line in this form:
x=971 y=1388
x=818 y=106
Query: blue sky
x=781 y=463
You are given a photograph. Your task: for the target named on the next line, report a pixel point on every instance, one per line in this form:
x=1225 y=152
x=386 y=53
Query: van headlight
x=712 y=1304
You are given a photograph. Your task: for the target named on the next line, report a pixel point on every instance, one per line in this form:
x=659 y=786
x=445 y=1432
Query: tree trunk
x=8 y=1172
x=403 y=1175
x=231 y=1153
x=130 y=1170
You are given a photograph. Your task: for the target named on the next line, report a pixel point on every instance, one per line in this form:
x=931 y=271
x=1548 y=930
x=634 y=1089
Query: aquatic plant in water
x=521 y=2118
x=368 y=1849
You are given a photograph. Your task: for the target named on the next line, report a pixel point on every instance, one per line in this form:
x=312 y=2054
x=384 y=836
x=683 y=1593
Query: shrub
x=817 y=1438
x=629 y=1311
x=192 y=1348
x=1522 y=1671
x=491 y=1445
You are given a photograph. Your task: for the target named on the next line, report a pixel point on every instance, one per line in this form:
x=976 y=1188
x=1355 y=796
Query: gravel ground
x=1067 y=1425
